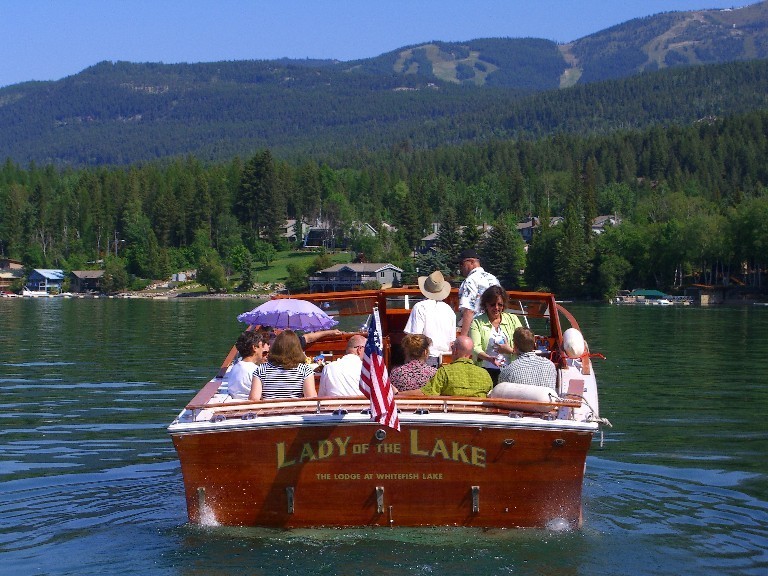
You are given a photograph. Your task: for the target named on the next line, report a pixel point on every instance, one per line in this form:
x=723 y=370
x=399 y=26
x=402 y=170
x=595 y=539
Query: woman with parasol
x=294 y=314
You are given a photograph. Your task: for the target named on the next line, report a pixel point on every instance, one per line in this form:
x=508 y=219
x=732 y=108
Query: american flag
x=374 y=378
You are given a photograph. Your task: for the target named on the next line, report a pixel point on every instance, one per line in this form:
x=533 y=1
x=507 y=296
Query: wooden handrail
x=202 y=398
x=339 y=401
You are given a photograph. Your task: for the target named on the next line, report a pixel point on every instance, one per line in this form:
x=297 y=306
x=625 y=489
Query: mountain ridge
x=434 y=93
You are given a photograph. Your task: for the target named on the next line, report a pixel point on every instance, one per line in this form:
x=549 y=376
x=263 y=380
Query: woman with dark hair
x=492 y=332
x=415 y=372
x=285 y=374
x=253 y=347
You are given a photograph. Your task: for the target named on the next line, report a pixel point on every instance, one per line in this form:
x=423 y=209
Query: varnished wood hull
x=340 y=474
x=484 y=462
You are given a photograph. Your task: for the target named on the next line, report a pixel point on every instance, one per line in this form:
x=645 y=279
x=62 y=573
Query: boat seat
x=533 y=398
x=575 y=392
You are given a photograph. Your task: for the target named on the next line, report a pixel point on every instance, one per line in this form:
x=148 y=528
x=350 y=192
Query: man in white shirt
x=342 y=377
x=433 y=317
x=253 y=347
x=476 y=281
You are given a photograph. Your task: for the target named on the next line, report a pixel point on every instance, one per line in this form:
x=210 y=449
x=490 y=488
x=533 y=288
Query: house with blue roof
x=45 y=280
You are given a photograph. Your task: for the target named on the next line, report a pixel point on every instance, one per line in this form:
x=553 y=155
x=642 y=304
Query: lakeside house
x=85 y=280
x=294 y=231
x=429 y=241
x=600 y=223
x=323 y=235
x=10 y=271
x=341 y=277
x=45 y=280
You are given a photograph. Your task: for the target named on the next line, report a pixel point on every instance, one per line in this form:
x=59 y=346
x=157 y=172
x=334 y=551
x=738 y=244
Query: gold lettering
x=281 y=461
x=415 y=445
x=478 y=456
x=440 y=448
x=464 y=453
x=459 y=454
x=342 y=444
x=324 y=449
x=307 y=453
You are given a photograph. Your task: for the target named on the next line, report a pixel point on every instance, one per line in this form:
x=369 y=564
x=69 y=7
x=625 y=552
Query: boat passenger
x=492 y=332
x=529 y=368
x=342 y=377
x=253 y=347
x=415 y=372
x=285 y=374
x=433 y=317
x=461 y=377
x=476 y=281
x=309 y=337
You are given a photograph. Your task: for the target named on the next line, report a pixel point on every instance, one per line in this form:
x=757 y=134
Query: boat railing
x=245 y=409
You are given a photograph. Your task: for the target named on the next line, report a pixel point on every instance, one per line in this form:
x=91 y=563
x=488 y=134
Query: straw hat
x=434 y=286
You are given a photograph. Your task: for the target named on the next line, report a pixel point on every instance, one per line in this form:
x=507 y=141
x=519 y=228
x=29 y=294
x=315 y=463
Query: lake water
x=90 y=484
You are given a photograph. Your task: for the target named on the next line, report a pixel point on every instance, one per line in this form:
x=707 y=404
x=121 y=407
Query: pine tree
x=503 y=252
x=448 y=238
x=471 y=235
x=572 y=259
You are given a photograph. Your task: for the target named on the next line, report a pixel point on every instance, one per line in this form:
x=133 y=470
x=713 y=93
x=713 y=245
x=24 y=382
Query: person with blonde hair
x=285 y=374
x=415 y=372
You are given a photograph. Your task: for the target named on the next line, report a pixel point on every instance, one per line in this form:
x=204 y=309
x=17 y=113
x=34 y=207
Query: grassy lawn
x=278 y=269
x=277 y=272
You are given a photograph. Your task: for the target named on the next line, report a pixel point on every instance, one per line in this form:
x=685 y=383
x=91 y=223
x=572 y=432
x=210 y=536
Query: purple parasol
x=289 y=313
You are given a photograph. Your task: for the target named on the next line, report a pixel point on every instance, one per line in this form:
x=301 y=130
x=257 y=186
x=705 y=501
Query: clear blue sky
x=51 y=39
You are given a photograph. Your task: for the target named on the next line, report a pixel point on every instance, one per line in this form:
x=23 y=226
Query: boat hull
x=481 y=474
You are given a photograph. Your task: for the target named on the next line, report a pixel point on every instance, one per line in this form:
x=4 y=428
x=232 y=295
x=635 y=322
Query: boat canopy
x=648 y=293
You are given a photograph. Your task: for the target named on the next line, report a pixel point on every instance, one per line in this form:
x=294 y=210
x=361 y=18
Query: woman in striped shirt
x=285 y=374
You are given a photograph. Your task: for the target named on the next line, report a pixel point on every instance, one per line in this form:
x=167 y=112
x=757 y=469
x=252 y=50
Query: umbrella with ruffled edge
x=289 y=313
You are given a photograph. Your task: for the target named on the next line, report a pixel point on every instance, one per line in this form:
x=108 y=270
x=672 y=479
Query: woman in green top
x=492 y=331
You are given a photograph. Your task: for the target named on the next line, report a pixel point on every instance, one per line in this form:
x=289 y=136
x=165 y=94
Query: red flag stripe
x=374 y=378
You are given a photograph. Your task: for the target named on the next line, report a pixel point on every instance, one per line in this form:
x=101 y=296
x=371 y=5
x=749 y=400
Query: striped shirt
x=279 y=383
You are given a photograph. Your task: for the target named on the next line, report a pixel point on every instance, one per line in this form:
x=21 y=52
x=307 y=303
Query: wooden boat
x=481 y=462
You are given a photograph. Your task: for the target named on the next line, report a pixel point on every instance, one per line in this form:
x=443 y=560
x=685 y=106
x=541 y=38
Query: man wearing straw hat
x=433 y=317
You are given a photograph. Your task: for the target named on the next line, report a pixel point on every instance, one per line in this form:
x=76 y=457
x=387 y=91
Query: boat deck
x=482 y=462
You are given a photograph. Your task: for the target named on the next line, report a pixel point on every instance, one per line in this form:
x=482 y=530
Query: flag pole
x=374 y=377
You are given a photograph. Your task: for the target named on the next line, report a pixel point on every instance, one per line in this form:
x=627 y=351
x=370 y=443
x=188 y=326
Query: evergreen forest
x=691 y=198
x=148 y=169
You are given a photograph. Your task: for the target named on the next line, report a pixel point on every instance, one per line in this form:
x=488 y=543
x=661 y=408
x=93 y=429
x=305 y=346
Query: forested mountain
x=643 y=44
x=668 y=40
x=420 y=97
